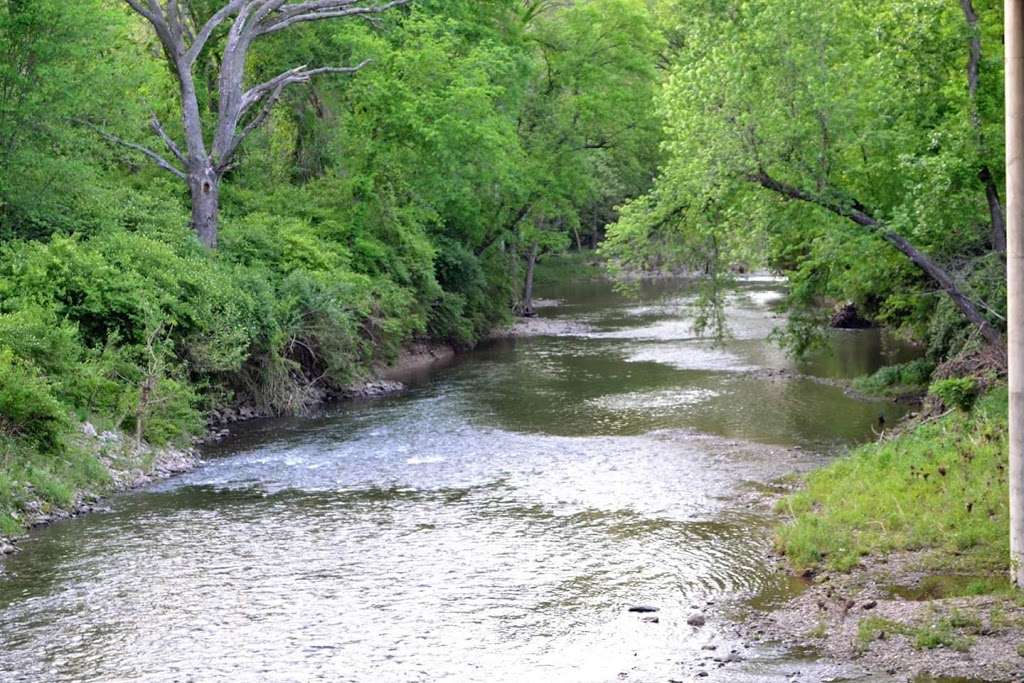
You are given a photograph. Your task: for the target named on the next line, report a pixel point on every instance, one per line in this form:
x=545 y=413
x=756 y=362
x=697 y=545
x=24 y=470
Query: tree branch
x=154 y=123
x=269 y=92
x=137 y=6
x=323 y=9
x=856 y=213
x=153 y=156
x=201 y=38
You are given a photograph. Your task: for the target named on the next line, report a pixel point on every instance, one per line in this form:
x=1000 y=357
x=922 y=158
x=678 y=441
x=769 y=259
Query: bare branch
x=137 y=6
x=153 y=156
x=315 y=11
x=200 y=40
x=154 y=123
x=269 y=92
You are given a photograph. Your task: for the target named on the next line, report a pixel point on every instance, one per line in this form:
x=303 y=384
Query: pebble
x=696 y=620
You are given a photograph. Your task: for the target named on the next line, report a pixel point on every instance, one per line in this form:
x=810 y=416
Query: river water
x=493 y=523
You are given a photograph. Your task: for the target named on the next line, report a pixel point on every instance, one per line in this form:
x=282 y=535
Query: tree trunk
x=205 y=188
x=1014 y=38
x=531 y=262
x=995 y=207
x=995 y=210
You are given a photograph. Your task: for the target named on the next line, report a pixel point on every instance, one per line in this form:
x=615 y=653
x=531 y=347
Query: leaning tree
x=204 y=158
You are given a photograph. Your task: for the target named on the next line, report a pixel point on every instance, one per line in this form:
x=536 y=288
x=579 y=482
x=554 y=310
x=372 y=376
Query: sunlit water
x=492 y=524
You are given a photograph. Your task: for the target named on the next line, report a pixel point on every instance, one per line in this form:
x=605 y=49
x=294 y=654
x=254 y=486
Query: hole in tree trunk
x=206 y=188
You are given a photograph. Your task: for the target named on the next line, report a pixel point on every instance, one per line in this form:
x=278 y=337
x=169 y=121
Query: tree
x=240 y=110
x=587 y=128
x=1015 y=276
x=808 y=135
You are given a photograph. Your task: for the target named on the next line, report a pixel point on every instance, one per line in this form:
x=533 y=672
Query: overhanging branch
x=854 y=211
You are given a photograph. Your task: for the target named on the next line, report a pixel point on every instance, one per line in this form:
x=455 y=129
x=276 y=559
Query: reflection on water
x=492 y=524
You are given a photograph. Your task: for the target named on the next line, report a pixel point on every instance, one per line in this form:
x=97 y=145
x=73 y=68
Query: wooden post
x=1014 y=40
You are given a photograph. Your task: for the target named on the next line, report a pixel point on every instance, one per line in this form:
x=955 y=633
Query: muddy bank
x=885 y=617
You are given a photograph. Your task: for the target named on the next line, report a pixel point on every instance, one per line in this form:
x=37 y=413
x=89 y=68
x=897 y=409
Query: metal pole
x=1014 y=40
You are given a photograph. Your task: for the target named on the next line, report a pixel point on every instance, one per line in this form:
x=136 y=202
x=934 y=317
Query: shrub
x=957 y=392
x=28 y=407
x=897 y=379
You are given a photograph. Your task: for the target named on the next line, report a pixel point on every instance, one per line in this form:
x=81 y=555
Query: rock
x=870 y=604
x=643 y=608
x=6 y=548
x=651 y=620
x=847 y=317
x=89 y=430
x=709 y=647
x=697 y=620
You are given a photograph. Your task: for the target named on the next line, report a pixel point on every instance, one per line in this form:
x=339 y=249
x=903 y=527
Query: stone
x=89 y=430
x=696 y=620
x=643 y=609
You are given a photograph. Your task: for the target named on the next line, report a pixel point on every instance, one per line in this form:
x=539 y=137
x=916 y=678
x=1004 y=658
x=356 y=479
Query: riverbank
x=906 y=542
x=94 y=464
x=97 y=464
x=65 y=475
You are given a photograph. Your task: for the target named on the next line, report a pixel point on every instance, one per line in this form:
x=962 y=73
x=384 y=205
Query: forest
x=257 y=204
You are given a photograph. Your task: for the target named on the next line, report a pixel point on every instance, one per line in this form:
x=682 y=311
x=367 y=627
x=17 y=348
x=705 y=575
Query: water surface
x=494 y=523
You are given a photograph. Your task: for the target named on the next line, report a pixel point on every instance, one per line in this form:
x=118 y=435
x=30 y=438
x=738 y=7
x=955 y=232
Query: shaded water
x=494 y=523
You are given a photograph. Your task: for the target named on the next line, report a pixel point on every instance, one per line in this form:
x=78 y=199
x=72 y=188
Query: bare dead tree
x=241 y=109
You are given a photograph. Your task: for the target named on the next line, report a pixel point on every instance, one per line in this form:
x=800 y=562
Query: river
x=493 y=523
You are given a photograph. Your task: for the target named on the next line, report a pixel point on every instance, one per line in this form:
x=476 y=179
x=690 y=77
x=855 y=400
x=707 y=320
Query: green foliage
x=897 y=380
x=371 y=210
x=854 y=104
x=28 y=407
x=941 y=486
x=956 y=392
x=942 y=631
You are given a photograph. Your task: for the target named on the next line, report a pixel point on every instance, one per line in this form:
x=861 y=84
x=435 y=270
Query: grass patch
x=819 y=631
x=53 y=478
x=897 y=380
x=941 y=632
x=871 y=629
x=942 y=486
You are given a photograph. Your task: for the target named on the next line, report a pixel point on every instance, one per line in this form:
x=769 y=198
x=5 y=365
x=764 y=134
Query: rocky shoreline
x=129 y=464
x=133 y=465
x=881 y=617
